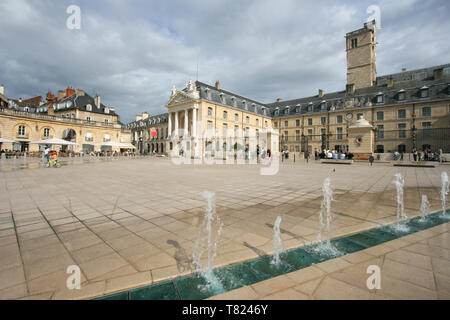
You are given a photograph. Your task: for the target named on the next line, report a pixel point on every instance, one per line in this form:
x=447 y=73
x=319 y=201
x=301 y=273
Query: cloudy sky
x=131 y=52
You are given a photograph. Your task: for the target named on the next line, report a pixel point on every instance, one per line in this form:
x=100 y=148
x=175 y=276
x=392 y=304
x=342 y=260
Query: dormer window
x=310 y=107
x=222 y=97
x=88 y=107
x=379 y=98
x=323 y=105
x=424 y=92
x=297 y=109
x=401 y=95
x=244 y=103
x=286 y=111
x=233 y=101
x=277 y=112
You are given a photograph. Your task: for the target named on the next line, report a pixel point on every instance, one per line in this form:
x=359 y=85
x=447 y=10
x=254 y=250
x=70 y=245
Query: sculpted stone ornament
x=192 y=90
x=174 y=90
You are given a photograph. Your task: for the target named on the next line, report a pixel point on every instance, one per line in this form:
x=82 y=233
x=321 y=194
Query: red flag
x=153 y=132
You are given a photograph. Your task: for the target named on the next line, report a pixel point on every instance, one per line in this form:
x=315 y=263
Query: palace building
x=72 y=115
x=405 y=110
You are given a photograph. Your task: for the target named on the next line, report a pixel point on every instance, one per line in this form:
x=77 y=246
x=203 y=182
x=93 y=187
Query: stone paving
x=132 y=223
x=412 y=267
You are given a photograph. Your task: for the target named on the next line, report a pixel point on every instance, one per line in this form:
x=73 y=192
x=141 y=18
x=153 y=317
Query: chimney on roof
x=144 y=115
x=2 y=89
x=320 y=93
x=69 y=91
x=51 y=110
x=80 y=92
x=97 y=101
x=279 y=99
x=437 y=74
x=217 y=84
x=50 y=96
x=390 y=82
x=403 y=69
x=61 y=94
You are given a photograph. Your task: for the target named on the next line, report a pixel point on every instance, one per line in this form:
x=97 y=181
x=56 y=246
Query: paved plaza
x=132 y=222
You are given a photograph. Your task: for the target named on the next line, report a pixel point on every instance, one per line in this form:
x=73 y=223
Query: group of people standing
x=333 y=154
x=426 y=155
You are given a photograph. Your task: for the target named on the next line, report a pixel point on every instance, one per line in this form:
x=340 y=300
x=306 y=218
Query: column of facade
x=186 y=122
x=176 y=123
x=170 y=125
x=194 y=122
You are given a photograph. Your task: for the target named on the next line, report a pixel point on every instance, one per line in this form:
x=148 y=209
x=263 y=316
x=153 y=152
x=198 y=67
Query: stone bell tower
x=361 y=57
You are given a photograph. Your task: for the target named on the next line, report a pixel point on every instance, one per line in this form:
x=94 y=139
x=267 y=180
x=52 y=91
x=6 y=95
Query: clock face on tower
x=349 y=116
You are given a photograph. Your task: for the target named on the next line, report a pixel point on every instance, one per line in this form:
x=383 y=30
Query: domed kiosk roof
x=361 y=123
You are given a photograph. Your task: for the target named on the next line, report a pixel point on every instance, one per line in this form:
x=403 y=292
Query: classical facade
x=405 y=110
x=204 y=119
x=72 y=115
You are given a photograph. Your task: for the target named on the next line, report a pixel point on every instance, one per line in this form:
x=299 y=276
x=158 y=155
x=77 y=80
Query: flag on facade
x=153 y=132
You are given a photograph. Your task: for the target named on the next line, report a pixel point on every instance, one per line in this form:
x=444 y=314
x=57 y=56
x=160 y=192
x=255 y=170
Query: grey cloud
x=132 y=52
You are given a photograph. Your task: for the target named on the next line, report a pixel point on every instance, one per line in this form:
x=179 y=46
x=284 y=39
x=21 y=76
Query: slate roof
x=230 y=99
x=149 y=122
x=76 y=102
x=407 y=87
x=29 y=103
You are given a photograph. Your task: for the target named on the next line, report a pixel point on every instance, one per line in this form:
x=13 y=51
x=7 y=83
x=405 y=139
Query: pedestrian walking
x=371 y=159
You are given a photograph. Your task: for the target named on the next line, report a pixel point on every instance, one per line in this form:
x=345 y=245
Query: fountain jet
x=444 y=191
x=277 y=244
x=424 y=207
x=207 y=240
x=325 y=209
x=399 y=182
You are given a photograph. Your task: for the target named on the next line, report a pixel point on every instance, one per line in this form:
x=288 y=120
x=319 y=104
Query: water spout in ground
x=424 y=207
x=208 y=238
x=399 y=182
x=277 y=244
x=444 y=191
x=325 y=209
